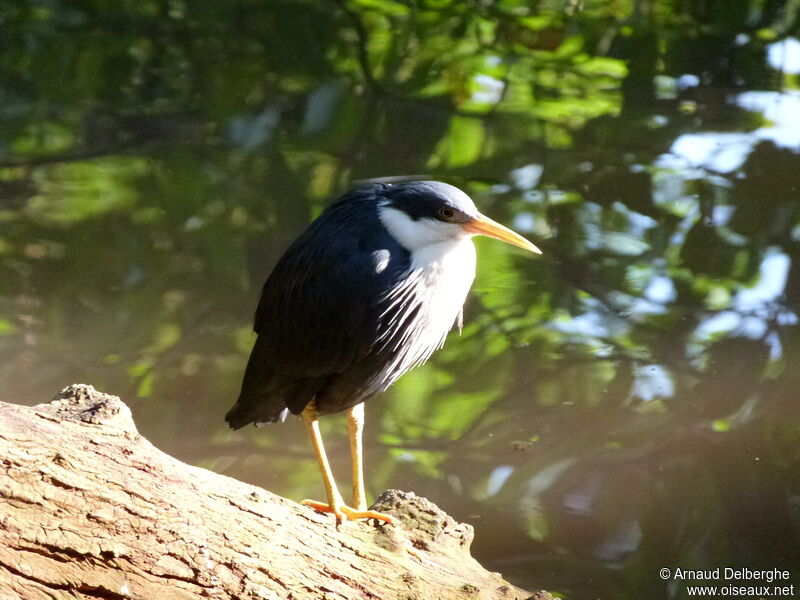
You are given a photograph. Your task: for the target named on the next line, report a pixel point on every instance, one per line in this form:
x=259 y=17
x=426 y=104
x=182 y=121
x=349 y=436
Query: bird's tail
x=259 y=401
x=266 y=398
x=244 y=413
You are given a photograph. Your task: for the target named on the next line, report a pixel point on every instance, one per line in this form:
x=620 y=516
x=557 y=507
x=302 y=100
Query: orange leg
x=335 y=504
x=355 y=426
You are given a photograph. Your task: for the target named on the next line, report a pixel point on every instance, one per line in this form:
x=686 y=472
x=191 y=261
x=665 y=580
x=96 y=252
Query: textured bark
x=91 y=509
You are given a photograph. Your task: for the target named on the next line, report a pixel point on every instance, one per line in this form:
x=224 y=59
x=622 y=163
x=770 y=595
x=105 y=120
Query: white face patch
x=415 y=235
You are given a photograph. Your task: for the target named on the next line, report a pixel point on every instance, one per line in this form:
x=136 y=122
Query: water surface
x=625 y=402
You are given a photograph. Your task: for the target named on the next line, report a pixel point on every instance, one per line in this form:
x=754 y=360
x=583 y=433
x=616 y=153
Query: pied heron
x=367 y=292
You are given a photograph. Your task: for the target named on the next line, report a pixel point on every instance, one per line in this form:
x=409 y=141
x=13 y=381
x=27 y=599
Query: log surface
x=90 y=509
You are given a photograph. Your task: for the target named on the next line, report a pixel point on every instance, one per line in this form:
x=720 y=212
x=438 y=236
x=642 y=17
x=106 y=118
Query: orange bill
x=483 y=225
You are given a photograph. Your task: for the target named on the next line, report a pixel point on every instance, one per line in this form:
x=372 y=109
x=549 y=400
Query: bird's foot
x=343 y=512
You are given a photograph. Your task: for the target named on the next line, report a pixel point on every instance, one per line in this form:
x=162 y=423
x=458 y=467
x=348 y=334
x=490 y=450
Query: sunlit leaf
x=6 y=327
x=145 y=387
x=73 y=192
x=463 y=143
x=166 y=336
x=721 y=425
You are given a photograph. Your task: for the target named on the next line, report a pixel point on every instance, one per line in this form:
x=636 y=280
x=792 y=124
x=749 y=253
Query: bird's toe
x=356 y=515
x=346 y=513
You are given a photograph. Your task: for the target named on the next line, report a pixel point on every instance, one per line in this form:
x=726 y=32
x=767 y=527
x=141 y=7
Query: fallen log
x=90 y=509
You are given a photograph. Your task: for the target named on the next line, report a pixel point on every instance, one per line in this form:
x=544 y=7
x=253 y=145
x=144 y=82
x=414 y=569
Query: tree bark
x=90 y=509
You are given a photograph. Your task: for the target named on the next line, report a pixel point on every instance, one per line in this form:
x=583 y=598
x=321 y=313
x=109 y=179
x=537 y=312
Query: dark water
x=626 y=402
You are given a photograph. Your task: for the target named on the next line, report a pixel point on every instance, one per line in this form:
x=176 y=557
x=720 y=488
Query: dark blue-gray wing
x=319 y=311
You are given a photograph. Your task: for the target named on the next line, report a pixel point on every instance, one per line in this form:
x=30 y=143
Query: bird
x=367 y=292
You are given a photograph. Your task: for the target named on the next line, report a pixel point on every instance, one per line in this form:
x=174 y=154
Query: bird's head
x=422 y=213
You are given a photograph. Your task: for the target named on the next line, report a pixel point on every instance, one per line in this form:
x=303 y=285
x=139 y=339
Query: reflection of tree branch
x=363 y=40
x=106 y=135
x=71 y=156
x=380 y=89
x=787 y=19
x=498 y=322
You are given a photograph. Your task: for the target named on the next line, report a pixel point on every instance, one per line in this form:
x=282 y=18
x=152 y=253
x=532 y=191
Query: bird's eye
x=446 y=213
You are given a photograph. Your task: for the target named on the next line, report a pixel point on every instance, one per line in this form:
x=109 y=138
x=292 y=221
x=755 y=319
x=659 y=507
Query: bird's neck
x=445 y=272
x=430 y=301
x=447 y=255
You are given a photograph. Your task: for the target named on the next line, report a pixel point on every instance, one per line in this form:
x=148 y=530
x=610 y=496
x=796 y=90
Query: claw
x=345 y=513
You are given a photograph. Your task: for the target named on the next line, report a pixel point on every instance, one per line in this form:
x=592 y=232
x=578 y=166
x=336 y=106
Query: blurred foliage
x=623 y=403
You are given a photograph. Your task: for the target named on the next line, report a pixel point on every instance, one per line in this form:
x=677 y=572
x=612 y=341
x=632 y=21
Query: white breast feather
x=438 y=284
